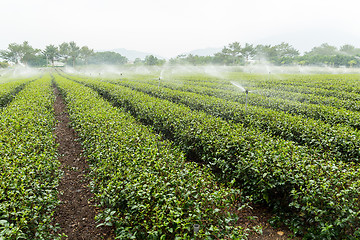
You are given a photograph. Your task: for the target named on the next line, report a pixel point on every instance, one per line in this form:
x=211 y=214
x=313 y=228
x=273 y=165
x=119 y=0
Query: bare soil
x=76 y=213
x=257 y=217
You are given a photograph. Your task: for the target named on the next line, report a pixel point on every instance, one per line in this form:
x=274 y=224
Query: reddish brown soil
x=76 y=213
x=258 y=217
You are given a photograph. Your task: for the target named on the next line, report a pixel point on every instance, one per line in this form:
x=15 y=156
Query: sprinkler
x=246 y=100
x=196 y=228
x=243 y=90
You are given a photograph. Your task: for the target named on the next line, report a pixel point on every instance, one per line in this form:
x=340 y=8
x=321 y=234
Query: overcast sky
x=171 y=27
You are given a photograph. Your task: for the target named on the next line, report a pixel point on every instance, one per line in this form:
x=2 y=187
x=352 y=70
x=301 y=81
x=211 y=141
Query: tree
x=51 y=52
x=248 y=51
x=38 y=60
x=152 y=60
x=352 y=62
x=232 y=54
x=348 y=49
x=28 y=52
x=107 y=58
x=64 y=51
x=74 y=52
x=324 y=50
x=13 y=53
x=266 y=52
x=85 y=53
x=138 y=61
x=285 y=50
x=19 y=53
x=4 y=64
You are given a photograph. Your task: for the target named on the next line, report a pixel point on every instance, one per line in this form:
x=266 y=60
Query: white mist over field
x=20 y=71
x=211 y=70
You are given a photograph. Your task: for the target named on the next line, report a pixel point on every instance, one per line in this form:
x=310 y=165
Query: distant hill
x=133 y=54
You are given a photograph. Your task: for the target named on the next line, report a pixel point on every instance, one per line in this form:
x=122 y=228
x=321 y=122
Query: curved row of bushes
x=311 y=98
x=292 y=87
x=145 y=185
x=28 y=167
x=321 y=193
x=344 y=84
x=340 y=142
x=10 y=89
x=298 y=93
x=327 y=114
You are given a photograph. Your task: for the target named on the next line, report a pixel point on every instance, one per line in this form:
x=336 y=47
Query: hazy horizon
x=169 y=28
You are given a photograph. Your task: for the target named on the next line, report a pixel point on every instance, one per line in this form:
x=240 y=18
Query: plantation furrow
x=333 y=83
x=336 y=98
x=339 y=100
x=274 y=171
x=144 y=184
x=9 y=90
x=328 y=114
x=75 y=214
x=354 y=96
x=5 y=80
x=339 y=142
x=28 y=166
x=276 y=88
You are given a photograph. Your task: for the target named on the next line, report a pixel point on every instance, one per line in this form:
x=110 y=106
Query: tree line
x=281 y=54
x=68 y=53
x=233 y=54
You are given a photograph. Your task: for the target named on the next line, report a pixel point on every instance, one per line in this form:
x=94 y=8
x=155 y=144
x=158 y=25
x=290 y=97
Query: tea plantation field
x=169 y=152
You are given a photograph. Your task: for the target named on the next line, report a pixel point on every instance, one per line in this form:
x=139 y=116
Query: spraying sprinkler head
x=243 y=90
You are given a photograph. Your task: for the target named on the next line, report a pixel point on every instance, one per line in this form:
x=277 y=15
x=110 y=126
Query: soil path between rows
x=76 y=212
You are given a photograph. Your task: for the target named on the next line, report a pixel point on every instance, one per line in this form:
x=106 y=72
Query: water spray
x=243 y=90
x=160 y=77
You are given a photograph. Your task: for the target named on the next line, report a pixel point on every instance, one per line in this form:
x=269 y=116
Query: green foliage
x=37 y=61
x=74 y=52
x=51 y=52
x=9 y=90
x=192 y=59
x=4 y=64
x=29 y=170
x=331 y=115
x=19 y=53
x=319 y=193
x=144 y=184
x=107 y=58
x=64 y=51
x=86 y=53
x=276 y=54
x=151 y=60
x=324 y=49
x=339 y=142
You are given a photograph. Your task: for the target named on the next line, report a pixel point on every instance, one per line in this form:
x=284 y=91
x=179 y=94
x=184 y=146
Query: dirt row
x=76 y=213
